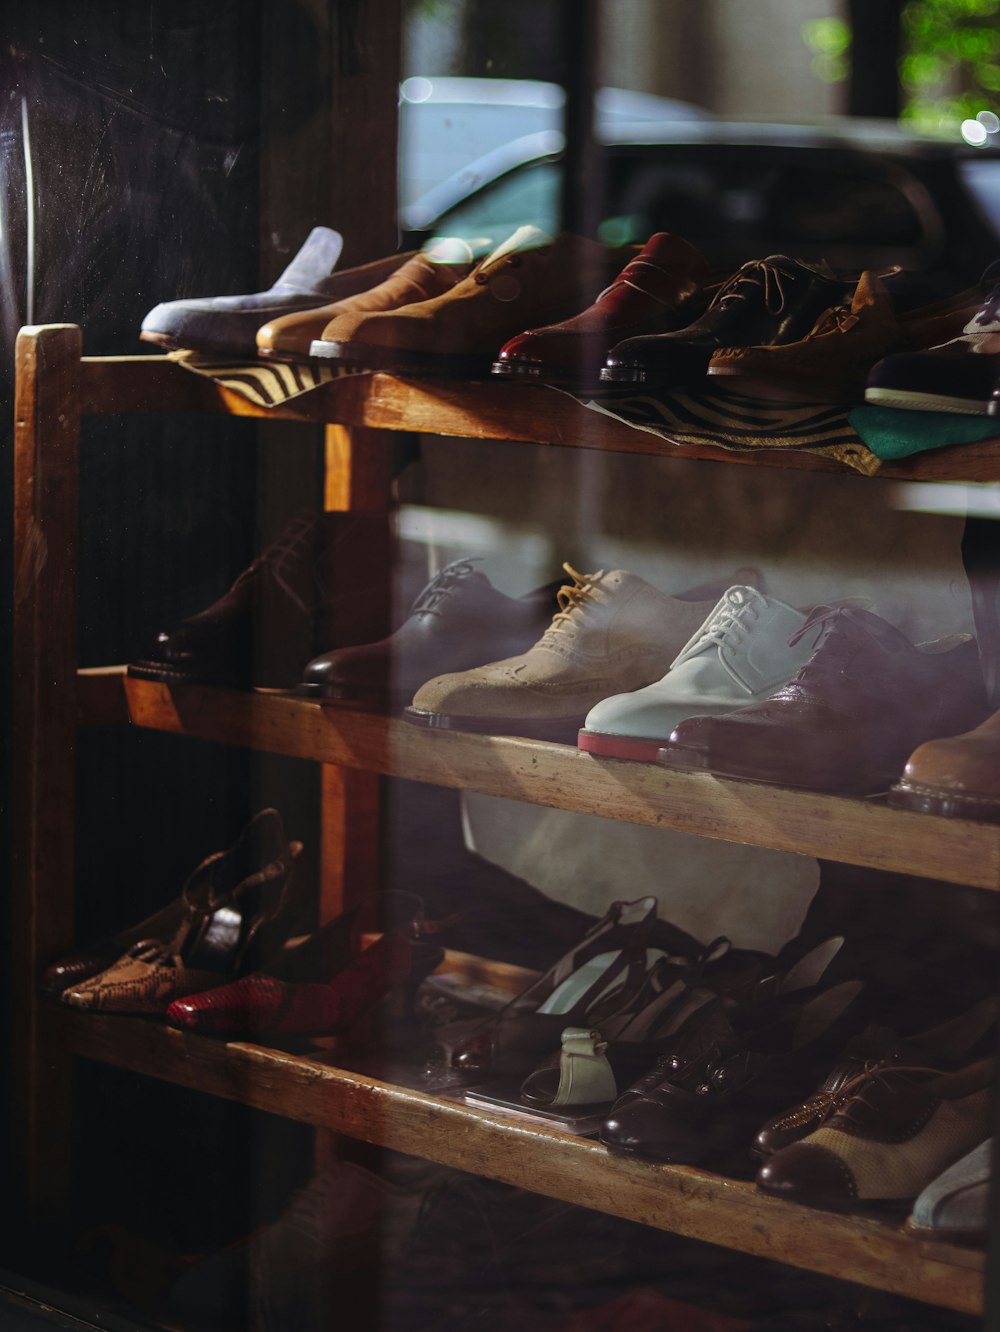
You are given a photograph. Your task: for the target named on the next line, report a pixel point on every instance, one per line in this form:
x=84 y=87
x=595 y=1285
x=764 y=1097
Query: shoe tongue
x=314 y=262
x=454 y=250
x=524 y=238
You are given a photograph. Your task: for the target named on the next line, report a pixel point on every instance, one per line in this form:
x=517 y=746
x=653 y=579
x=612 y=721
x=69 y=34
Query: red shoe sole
x=619 y=746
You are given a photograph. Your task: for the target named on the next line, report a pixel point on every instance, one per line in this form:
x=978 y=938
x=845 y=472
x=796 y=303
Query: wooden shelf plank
x=540 y=1158
x=471 y=410
x=858 y=832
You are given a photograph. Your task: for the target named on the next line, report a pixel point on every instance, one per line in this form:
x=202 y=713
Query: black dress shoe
x=297 y=598
x=458 y=621
x=768 y=303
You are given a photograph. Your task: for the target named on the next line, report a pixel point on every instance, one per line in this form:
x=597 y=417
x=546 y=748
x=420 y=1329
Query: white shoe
x=739 y=656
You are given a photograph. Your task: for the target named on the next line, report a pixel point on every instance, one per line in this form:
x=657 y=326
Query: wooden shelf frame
x=488 y=409
x=544 y=1159
x=854 y=831
x=56 y=387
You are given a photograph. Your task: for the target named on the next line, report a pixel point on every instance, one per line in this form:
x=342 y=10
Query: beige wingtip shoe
x=613 y=633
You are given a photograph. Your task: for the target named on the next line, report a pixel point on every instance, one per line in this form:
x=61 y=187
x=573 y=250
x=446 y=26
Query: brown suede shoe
x=410 y=278
x=528 y=280
x=832 y=361
x=899 y=1129
x=614 y=633
x=958 y=777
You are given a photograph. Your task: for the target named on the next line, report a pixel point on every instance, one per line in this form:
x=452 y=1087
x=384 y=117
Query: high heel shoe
x=591 y=1067
x=234 y=905
x=325 y=985
x=598 y=978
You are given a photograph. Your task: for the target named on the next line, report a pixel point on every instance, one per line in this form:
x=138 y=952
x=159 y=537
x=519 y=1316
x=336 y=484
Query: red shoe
x=298 y=1000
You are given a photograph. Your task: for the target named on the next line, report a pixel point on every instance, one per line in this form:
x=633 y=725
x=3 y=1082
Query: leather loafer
x=848 y=719
x=652 y=294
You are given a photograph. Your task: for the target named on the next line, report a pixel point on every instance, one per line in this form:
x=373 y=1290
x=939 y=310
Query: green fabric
x=893 y=432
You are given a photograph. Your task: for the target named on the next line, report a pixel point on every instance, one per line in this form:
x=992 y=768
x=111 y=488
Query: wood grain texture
x=487 y=410
x=858 y=832
x=46 y=452
x=543 y=1159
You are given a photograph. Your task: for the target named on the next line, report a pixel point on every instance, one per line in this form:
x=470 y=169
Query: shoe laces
x=730 y=622
x=571 y=598
x=758 y=275
x=853 y=1094
x=837 y=648
x=442 y=586
x=288 y=558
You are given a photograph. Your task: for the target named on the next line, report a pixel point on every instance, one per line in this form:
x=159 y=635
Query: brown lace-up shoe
x=832 y=361
x=528 y=280
x=614 y=633
x=402 y=280
x=898 y=1130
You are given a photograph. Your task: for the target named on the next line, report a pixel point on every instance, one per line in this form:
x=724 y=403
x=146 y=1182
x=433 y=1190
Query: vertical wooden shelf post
x=46 y=516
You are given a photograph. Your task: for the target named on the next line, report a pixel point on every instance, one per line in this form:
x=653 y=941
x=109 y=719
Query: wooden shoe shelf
x=56 y=387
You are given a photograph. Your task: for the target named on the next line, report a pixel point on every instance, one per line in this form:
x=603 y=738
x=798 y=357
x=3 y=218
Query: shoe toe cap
x=808 y=1173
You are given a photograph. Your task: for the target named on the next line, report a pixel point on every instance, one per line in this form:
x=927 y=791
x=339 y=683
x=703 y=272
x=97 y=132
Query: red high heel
x=296 y=998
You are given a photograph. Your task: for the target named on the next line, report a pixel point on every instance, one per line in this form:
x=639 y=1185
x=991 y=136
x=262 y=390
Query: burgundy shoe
x=325 y=985
x=457 y=622
x=850 y=718
x=652 y=294
x=299 y=596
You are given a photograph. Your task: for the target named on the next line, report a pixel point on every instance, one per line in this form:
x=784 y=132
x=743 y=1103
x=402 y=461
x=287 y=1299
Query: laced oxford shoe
x=901 y=1126
x=652 y=294
x=847 y=720
x=738 y=655
x=529 y=279
x=768 y=302
x=458 y=621
x=292 y=602
x=386 y=284
x=613 y=631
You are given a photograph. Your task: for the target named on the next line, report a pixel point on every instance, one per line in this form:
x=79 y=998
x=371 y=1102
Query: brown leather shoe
x=845 y=723
x=898 y=1130
x=528 y=280
x=298 y=597
x=958 y=777
x=384 y=285
x=832 y=361
x=948 y=1046
x=652 y=294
